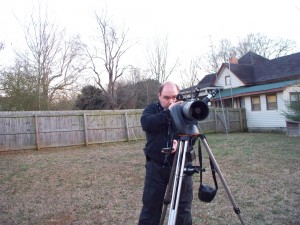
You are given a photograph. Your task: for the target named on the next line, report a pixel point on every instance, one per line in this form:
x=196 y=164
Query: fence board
x=37 y=130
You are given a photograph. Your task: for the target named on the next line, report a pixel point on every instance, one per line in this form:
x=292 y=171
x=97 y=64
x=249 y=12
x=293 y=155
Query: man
x=156 y=122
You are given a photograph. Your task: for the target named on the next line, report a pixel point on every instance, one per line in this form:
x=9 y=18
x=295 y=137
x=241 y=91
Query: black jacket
x=156 y=122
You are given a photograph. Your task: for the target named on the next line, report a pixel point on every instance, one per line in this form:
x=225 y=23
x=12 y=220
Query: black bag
x=206 y=193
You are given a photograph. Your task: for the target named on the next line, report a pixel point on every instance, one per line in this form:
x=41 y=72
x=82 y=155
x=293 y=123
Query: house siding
x=293 y=88
x=267 y=119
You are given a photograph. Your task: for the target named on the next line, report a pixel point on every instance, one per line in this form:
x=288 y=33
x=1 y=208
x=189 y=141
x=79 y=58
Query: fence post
x=85 y=129
x=241 y=119
x=216 y=120
x=228 y=120
x=126 y=126
x=37 y=138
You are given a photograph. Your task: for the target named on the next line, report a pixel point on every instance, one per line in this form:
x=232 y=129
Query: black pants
x=156 y=181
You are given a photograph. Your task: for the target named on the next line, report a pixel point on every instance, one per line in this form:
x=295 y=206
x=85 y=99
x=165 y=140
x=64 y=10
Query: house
x=259 y=85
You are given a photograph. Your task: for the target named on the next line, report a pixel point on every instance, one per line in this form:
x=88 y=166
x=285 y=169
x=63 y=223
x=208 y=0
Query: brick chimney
x=233 y=60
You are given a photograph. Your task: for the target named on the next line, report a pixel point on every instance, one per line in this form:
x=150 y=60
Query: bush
x=293 y=112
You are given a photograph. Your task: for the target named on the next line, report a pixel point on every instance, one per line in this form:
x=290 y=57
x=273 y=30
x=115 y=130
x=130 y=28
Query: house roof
x=278 y=69
x=246 y=73
x=252 y=58
x=257 y=89
x=207 y=81
x=253 y=69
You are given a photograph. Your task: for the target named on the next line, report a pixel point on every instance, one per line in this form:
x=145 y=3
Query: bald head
x=167 y=94
x=168 y=83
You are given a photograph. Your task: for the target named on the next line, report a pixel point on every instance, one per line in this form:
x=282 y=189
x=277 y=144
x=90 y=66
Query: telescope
x=185 y=116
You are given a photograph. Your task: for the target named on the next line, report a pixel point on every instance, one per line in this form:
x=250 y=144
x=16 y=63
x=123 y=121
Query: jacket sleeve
x=152 y=121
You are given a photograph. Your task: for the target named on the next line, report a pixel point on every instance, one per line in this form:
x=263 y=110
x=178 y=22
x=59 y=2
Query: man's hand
x=175 y=143
x=169 y=150
x=173 y=104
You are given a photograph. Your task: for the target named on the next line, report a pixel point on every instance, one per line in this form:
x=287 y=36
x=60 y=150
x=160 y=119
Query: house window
x=271 y=102
x=295 y=96
x=227 y=80
x=255 y=103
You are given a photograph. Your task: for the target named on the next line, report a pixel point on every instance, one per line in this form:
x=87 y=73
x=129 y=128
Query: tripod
x=172 y=195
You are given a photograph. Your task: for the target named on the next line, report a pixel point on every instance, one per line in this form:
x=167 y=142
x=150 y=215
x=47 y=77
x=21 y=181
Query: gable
x=228 y=79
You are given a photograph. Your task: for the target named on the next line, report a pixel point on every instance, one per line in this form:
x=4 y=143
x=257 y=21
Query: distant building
x=259 y=85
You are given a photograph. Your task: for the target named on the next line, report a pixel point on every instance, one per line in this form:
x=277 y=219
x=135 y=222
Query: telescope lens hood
x=196 y=110
x=185 y=116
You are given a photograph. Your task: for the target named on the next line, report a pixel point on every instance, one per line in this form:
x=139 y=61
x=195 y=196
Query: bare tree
x=217 y=55
x=126 y=88
x=158 y=60
x=111 y=49
x=1 y=46
x=137 y=95
x=264 y=46
x=55 y=57
x=257 y=43
x=191 y=76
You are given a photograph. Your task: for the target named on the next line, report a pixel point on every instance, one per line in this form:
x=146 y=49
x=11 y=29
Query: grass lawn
x=103 y=184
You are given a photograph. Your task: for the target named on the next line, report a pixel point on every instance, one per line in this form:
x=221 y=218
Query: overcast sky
x=191 y=25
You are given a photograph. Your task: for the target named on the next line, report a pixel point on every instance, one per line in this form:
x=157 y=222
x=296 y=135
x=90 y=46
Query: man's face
x=168 y=95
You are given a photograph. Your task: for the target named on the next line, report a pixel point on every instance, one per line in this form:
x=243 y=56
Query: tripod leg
x=235 y=208
x=168 y=194
x=183 y=145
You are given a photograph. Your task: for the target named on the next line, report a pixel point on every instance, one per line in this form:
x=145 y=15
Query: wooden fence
x=37 y=130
